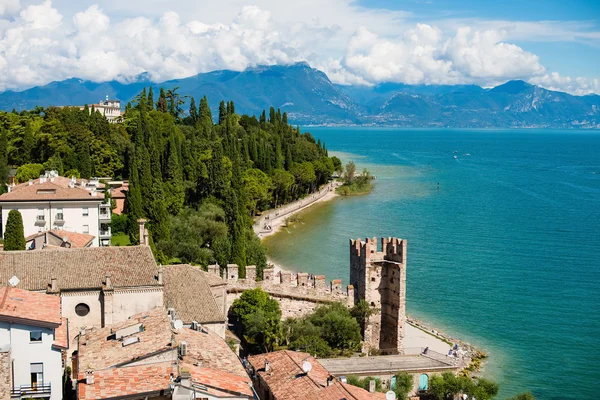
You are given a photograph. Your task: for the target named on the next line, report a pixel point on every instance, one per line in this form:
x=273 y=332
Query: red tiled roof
x=287 y=380
x=61 y=335
x=344 y=391
x=187 y=290
x=77 y=240
x=37 y=309
x=119 y=193
x=128 y=266
x=215 y=379
x=135 y=380
x=59 y=186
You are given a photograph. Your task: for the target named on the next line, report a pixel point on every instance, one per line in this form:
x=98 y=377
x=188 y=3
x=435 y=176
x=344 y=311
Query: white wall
x=24 y=353
x=72 y=214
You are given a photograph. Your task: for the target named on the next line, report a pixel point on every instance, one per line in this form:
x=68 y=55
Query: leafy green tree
x=28 y=171
x=365 y=382
x=259 y=317
x=282 y=184
x=361 y=312
x=337 y=165
x=4 y=170
x=258 y=186
x=14 y=237
x=447 y=386
x=350 y=173
x=404 y=385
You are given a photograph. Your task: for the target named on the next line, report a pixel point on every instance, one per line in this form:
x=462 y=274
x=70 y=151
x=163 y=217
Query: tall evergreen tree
x=14 y=236
x=222 y=113
x=193 y=111
x=161 y=105
x=134 y=199
x=4 y=170
x=150 y=99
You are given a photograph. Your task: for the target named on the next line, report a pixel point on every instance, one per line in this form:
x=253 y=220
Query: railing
x=104 y=215
x=105 y=232
x=42 y=390
x=40 y=218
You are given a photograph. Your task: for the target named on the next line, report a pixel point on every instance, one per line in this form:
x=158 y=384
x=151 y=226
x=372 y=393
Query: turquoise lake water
x=505 y=254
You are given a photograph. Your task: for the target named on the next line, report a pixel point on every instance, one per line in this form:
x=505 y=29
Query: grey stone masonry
x=302 y=279
x=336 y=286
x=286 y=278
x=268 y=275
x=251 y=272
x=379 y=277
x=320 y=282
x=232 y=273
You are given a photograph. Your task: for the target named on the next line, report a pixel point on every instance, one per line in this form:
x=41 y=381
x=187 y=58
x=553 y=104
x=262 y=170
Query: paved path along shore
x=272 y=220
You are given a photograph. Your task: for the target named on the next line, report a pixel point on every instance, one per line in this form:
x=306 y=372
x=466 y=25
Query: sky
x=551 y=43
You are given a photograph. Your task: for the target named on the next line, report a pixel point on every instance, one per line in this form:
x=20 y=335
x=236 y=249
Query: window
x=35 y=336
x=40 y=214
x=86 y=229
x=59 y=214
x=82 y=309
x=85 y=211
x=37 y=375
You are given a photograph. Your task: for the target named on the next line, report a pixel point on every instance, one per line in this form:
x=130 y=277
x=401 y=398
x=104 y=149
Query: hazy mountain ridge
x=309 y=97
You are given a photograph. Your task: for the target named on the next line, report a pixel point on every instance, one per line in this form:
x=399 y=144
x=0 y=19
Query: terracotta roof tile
x=61 y=335
x=37 y=309
x=96 y=352
x=215 y=379
x=287 y=380
x=135 y=380
x=56 y=188
x=77 y=240
x=80 y=268
x=211 y=350
x=186 y=289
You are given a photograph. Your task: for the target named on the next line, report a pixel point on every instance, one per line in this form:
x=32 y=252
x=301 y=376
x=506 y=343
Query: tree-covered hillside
x=198 y=183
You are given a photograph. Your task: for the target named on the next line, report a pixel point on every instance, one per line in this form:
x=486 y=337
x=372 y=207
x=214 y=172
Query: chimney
x=31 y=182
x=142 y=225
x=53 y=285
x=330 y=380
x=267 y=366
x=146 y=237
x=372 y=386
x=108 y=282
x=89 y=377
x=160 y=275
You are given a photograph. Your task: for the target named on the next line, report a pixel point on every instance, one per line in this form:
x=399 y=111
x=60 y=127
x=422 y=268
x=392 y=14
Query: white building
x=52 y=202
x=111 y=109
x=33 y=336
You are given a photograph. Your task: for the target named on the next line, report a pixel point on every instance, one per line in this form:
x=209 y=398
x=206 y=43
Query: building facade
x=52 y=202
x=110 y=109
x=34 y=336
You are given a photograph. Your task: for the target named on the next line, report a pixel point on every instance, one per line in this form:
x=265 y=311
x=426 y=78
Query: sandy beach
x=271 y=221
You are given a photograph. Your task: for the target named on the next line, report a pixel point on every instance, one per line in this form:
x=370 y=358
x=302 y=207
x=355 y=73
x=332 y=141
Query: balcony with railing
x=105 y=212
x=38 y=391
x=59 y=219
x=40 y=220
x=105 y=232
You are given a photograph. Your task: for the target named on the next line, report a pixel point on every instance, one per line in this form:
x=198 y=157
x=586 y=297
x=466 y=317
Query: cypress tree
x=161 y=105
x=174 y=180
x=284 y=119
x=193 y=111
x=263 y=118
x=14 y=237
x=272 y=117
x=134 y=198
x=4 y=170
x=150 y=99
x=222 y=113
x=28 y=144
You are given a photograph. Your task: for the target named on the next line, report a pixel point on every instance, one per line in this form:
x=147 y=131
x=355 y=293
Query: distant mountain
x=309 y=97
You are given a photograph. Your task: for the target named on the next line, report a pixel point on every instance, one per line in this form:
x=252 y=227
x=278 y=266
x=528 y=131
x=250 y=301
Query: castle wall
x=379 y=277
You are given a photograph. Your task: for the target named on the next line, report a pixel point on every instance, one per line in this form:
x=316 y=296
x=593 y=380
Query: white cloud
x=579 y=86
x=352 y=45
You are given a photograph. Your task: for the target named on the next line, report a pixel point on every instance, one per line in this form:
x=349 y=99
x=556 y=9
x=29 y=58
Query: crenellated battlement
x=378 y=273
x=286 y=284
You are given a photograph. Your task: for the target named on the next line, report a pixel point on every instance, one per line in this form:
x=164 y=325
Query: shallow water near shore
x=504 y=254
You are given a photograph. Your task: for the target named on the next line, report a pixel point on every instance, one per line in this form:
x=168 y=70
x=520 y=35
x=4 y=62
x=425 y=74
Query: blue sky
x=554 y=44
x=565 y=56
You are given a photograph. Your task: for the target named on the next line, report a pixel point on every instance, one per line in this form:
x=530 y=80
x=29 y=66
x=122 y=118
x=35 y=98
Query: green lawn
x=120 y=239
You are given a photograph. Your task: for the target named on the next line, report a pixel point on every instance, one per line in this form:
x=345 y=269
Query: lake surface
x=504 y=254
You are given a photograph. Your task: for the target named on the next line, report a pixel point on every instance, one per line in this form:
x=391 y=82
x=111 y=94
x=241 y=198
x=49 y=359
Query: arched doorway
x=423 y=382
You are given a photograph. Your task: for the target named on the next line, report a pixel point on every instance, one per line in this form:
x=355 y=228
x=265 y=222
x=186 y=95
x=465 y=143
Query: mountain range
x=310 y=98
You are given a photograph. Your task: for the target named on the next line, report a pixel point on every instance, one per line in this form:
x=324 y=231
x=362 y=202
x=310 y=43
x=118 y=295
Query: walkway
x=271 y=219
x=385 y=365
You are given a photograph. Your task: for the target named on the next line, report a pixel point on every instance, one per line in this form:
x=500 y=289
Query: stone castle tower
x=379 y=277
